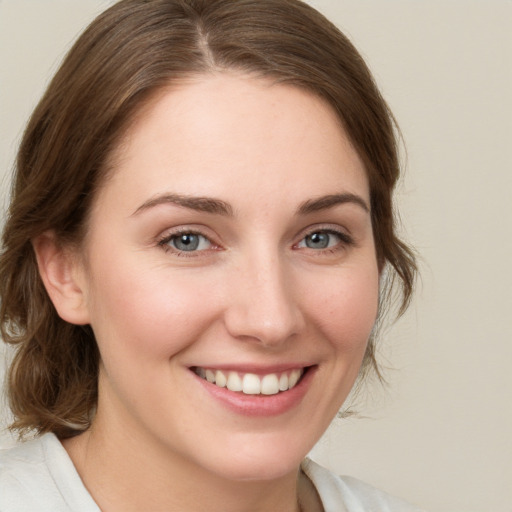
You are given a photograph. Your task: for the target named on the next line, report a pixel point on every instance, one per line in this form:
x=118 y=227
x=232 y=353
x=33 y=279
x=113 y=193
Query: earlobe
x=60 y=269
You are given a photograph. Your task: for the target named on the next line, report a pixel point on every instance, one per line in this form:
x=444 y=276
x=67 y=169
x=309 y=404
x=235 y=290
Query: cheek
x=346 y=309
x=149 y=315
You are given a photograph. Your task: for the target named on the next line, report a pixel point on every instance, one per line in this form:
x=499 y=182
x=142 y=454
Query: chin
x=259 y=470
x=261 y=460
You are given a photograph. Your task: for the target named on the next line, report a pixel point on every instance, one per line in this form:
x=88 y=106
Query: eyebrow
x=325 y=202
x=201 y=204
x=219 y=207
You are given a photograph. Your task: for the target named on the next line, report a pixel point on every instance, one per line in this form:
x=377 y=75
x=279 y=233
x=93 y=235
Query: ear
x=62 y=273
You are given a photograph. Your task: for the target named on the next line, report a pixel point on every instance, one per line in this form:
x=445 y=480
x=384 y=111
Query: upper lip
x=255 y=368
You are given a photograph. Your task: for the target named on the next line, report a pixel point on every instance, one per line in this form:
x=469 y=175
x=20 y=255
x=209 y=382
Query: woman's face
x=232 y=242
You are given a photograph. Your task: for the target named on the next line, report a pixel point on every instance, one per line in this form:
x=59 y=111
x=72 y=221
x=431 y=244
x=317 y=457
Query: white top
x=38 y=475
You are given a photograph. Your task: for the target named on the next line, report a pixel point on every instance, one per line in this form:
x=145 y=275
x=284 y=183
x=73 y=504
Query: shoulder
x=38 y=475
x=351 y=493
x=23 y=476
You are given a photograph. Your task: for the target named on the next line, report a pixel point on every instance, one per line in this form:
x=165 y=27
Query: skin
x=253 y=293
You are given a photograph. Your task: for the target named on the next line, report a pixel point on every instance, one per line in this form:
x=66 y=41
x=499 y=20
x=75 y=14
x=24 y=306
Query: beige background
x=440 y=436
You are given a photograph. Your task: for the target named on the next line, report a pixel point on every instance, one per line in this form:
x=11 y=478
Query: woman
x=192 y=263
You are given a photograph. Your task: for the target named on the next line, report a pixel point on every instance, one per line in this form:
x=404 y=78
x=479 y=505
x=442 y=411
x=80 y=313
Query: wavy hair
x=121 y=61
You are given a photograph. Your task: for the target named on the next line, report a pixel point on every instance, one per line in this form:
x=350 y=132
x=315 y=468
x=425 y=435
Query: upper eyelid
x=192 y=229
x=173 y=234
x=327 y=227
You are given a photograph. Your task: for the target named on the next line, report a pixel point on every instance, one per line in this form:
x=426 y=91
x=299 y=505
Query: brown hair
x=127 y=54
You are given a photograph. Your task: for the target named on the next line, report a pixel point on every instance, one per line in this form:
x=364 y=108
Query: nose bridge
x=263 y=303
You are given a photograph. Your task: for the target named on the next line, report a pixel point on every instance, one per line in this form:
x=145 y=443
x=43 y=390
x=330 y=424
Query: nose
x=263 y=305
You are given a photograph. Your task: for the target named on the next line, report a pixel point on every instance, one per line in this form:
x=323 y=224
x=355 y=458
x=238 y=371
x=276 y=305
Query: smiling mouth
x=250 y=383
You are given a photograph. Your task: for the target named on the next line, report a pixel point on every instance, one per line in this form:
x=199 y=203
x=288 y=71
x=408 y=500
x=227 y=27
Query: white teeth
x=283 y=382
x=269 y=385
x=294 y=378
x=220 y=379
x=234 y=382
x=250 y=383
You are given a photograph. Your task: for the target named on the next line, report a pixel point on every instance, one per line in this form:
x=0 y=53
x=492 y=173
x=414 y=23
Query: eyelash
x=345 y=241
x=164 y=243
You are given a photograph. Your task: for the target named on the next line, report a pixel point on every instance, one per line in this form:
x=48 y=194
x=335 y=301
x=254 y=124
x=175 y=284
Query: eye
x=186 y=242
x=324 y=239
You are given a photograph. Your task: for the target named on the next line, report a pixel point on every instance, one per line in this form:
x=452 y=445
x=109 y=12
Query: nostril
x=267 y=323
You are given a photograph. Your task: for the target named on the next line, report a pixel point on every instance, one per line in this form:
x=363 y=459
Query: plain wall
x=440 y=435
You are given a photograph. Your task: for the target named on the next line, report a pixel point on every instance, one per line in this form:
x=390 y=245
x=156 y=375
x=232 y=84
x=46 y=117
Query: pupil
x=318 y=240
x=187 y=242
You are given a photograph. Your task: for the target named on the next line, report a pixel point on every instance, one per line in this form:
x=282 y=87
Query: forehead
x=227 y=132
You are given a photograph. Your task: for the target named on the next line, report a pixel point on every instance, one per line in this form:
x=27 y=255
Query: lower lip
x=260 y=405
